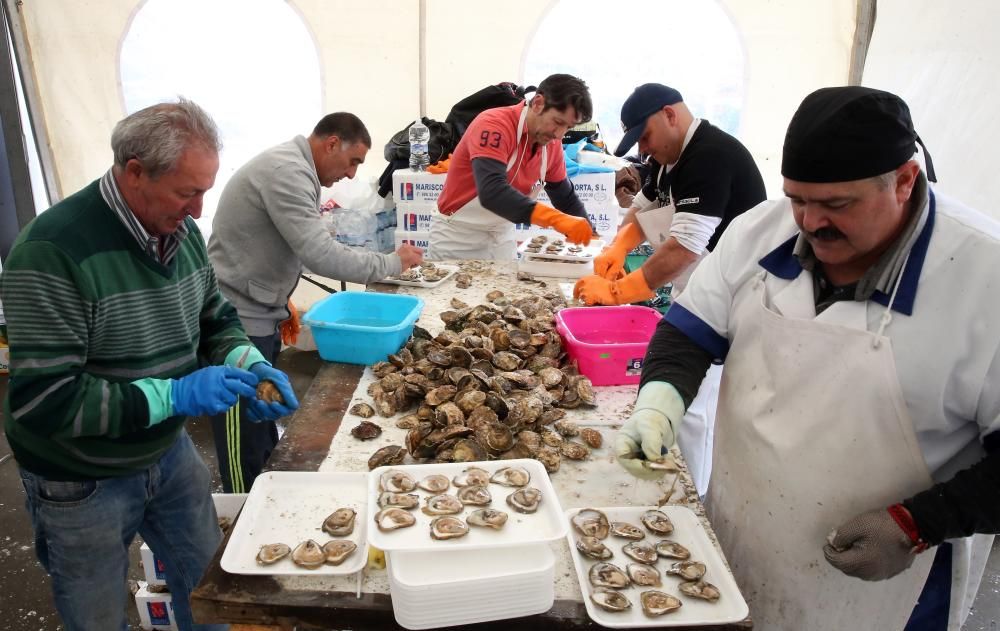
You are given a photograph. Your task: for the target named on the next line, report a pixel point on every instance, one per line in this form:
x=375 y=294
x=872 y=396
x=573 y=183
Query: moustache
x=826 y=234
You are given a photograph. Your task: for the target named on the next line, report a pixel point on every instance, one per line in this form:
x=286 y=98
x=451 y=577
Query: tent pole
x=423 y=58
x=862 y=39
x=36 y=121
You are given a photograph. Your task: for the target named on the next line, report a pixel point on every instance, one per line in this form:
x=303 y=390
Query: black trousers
x=243 y=446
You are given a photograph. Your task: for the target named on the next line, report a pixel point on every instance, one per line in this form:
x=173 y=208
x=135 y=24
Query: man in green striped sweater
x=117 y=333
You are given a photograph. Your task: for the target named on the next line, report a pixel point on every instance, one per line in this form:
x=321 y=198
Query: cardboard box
x=419 y=239
x=4 y=359
x=595 y=190
x=411 y=220
x=156 y=610
x=227 y=506
x=417 y=189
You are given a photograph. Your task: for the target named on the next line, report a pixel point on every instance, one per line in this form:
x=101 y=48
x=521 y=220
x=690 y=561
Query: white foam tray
x=590 y=250
x=689 y=532
x=555 y=269
x=421 y=283
x=467 y=570
x=547 y=524
x=289 y=507
x=409 y=618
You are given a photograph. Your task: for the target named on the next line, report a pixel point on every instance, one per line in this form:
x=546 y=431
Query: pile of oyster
x=311 y=555
x=398 y=499
x=593 y=529
x=492 y=385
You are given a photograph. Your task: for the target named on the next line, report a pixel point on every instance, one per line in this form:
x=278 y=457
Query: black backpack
x=445 y=135
x=499 y=95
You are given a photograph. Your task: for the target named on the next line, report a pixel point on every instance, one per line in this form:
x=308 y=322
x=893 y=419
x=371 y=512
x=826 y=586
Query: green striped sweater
x=88 y=312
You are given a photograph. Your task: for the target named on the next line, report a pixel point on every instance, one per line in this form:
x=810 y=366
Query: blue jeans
x=83 y=530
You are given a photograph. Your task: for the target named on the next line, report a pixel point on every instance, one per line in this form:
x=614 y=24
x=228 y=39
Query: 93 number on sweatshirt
x=489 y=139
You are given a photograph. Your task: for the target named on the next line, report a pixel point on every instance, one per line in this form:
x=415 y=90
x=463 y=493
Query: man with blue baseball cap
x=701 y=179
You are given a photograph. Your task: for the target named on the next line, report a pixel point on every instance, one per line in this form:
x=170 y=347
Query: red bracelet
x=904 y=520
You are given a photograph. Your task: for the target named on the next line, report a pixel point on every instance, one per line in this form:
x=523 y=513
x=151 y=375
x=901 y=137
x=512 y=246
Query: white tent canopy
x=369 y=60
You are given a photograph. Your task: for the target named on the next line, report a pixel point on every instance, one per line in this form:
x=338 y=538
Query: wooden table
x=262 y=600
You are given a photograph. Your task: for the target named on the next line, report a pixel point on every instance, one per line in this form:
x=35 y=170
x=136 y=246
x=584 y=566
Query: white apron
x=473 y=232
x=814 y=431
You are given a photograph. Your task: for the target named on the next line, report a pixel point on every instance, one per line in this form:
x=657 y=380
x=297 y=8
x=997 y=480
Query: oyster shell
x=463 y=280
x=574 y=451
x=700 y=589
x=525 y=500
x=387 y=499
x=608 y=575
x=448 y=528
x=386 y=456
x=392 y=518
x=435 y=483
x=656 y=603
x=468 y=450
x=396 y=481
x=340 y=523
x=511 y=476
x=592 y=437
x=366 y=430
x=493 y=295
x=672 y=550
x=338 y=550
x=488 y=518
x=473 y=476
x=593 y=548
x=550 y=458
x=363 y=410
x=609 y=599
x=657 y=522
x=591 y=522
x=440 y=395
x=442 y=505
x=566 y=428
x=309 y=555
x=626 y=530
x=474 y=496
x=688 y=570
x=641 y=551
x=408 y=422
x=268 y=392
x=272 y=553
x=644 y=575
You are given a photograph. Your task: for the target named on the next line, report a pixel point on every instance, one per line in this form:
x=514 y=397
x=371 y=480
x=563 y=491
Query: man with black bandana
x=859 y=408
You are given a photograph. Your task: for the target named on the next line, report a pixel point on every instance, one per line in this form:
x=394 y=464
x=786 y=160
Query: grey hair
x=156 y=136
x=885 y=181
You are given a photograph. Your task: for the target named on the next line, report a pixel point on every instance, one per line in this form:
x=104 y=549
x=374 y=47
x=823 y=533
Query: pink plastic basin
x=608 y=343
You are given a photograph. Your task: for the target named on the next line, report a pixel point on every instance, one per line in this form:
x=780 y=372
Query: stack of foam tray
x=448 y=588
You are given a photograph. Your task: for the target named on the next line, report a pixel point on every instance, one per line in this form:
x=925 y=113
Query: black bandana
x=849 y=133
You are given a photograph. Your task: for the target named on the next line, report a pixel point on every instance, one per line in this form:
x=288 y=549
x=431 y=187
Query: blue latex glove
x=257 y=410
x=211 y=390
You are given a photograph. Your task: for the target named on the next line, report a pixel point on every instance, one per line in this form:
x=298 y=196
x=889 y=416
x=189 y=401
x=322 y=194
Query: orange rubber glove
x=610 y=263
x=291 y=327
x=441 y=166
x=594 y=290
x=576 y=229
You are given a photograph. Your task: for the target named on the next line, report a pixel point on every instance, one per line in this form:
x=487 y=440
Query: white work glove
x=650 y=431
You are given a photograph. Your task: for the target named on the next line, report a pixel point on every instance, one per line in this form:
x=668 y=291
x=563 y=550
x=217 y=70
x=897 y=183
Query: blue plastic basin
x=357 y=327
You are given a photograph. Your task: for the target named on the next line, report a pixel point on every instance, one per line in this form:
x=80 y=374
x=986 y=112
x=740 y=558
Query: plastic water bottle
x=419 y=137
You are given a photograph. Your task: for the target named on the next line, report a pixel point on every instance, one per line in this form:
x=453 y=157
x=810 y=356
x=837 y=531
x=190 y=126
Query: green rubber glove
x=651 y=429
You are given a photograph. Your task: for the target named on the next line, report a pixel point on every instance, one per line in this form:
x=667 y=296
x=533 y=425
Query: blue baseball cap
x=645 y=101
